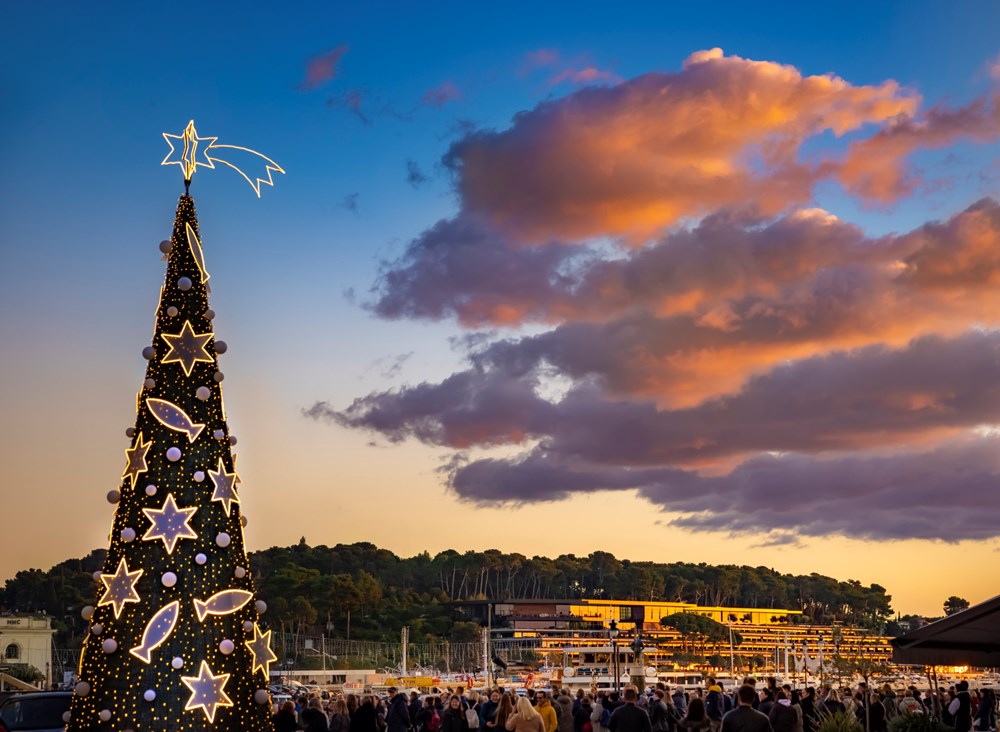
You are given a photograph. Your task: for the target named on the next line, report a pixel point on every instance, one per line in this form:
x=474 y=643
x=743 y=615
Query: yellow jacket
x=549 y=718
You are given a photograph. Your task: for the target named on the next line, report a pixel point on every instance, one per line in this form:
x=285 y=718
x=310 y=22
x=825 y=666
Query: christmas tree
x=176 y=639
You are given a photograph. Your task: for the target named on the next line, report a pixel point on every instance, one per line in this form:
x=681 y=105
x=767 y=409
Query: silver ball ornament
x=261 y=607
x=128 y=534
x=66 y=717
x=114 y=496
x=149 y=695
x=221 y=347
x=248 y=626
x=166 y=245
x=97 y=576
x=210 y=314
x=219 y=435
x=130 y=432
x=169 y=579
x=222 y=539
x=184 y=284
x=243 y=520
x=232 y=439
x=172 y=311
x=200 y=558
x=150 y=490
x=203 y=393
x=87 y=612
x=199 y=476
x=227 y=647
x=110 y=645
x=149 y=383
x=240 y=573
x=96 y=628
x=105 y=715
x=177 y=662
x=218 y=376
x=82 y=689
x=173 y=454
x=148 y=353
x=261 y=696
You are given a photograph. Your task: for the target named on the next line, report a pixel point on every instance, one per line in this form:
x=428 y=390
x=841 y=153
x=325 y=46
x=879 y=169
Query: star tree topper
x=189 y=151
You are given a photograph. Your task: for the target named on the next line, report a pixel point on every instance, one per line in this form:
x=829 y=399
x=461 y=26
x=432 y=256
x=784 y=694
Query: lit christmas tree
x=176 y=639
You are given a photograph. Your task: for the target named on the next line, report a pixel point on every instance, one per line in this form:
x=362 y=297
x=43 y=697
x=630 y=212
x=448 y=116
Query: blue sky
x=88 y=91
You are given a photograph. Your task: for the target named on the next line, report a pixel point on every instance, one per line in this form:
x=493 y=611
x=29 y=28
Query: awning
x=970 y=637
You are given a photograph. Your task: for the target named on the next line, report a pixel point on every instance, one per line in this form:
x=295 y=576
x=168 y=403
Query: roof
x=970 y=637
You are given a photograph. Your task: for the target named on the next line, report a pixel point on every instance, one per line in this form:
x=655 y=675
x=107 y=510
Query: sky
x=678 y=282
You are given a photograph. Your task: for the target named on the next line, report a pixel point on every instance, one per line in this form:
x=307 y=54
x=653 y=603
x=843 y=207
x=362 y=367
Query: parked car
x=38 y=711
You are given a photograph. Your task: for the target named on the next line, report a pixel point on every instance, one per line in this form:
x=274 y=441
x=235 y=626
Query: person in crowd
x=629 y=717
x=397 y=715
x=715 y=704
x=744 y=718
x=313 y=717
x=504 y=710
x=600 y=714
x=909 y=704
x=454 y=718
x=284 y=720
x=581 y=719
x=365 y=717
x=784 y=715
x=488 y=710
x=662 y=715
x=428 y=719
x=831 y=704
x=352 y=704
x=340 y=720
x=680 y=701
x=767 y=699
x=986 y=716
x=961 y=707
x=525 y=718
x=544 y=707
x=695 y=719
x=564 y=710
x=876 y=714
x=414 y=707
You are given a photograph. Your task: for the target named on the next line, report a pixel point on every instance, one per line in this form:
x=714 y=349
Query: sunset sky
x=712 y=283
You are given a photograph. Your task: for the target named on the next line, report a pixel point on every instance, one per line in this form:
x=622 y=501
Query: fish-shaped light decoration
x=158 y=629
x=222 y=603
x=170 y=415
x=191 y=145
x=199 y=256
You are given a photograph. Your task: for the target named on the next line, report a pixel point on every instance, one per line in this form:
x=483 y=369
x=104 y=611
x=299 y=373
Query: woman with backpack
x=428 y=719
x=601 y=713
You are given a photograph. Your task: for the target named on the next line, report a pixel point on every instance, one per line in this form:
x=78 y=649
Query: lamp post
x=638 y=673
x=613 y=635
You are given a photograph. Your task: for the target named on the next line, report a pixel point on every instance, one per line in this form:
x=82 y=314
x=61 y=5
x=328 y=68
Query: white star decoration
x=136 y=459
x=119 y=587
x=187 y=348
x=170 y=523
x=225 y=486
x=260 y=647
x=208 y=692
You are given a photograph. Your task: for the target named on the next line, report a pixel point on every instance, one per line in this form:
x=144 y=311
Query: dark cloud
x=352 y=100
x=414 y=175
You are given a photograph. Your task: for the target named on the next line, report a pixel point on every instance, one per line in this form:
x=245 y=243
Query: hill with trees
x=363 y=592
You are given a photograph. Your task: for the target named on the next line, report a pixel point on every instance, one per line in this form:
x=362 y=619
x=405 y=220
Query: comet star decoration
x=206 y=152
x=177 y=638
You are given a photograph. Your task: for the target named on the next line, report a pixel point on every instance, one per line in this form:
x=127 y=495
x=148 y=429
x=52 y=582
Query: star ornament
x=189 y=144
x=225 y=486
x=119 y=587
x=187 y=348
x=208 y=692
x=170 y=523
x=260 y=647
x=136 y=459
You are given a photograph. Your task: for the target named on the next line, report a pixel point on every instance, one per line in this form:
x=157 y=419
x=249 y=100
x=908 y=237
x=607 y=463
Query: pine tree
x=176 y=641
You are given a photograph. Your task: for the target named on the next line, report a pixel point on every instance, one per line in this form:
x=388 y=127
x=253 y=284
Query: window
x=13 y=652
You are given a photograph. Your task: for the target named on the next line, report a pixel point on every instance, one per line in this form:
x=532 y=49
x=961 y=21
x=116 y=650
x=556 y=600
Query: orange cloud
x=631 y=159
x=587 y=75
x=537 y=59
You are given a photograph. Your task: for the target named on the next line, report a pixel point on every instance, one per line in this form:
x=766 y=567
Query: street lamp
x=613 y=635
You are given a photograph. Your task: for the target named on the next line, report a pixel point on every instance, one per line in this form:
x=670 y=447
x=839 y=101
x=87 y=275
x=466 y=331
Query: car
x=37 y=711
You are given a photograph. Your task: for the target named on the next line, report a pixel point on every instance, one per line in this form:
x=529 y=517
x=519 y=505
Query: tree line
x=364 y=592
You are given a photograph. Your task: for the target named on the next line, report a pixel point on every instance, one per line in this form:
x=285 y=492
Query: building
x=768 y=638
x=27 y=639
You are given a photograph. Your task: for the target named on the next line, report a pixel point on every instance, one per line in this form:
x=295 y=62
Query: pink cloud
x=322 y=68
x=442 y=94
x=538 y=59
x=588 y=75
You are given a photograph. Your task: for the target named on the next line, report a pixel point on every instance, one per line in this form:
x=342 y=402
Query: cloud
x=414 y=175
x=950 y=493
x=994 y=68
x=875 y=168
x=322 y=68
x=352 y=99
x=440 y=95
x=350 y=202
x=586 y=75
x=631 y=159
x=868 y=398
x=538 y=59
x=700 y=333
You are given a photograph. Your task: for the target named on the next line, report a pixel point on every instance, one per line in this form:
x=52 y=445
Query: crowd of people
x=710 y=709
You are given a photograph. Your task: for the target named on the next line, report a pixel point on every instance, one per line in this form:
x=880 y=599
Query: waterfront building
x=27 y=640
